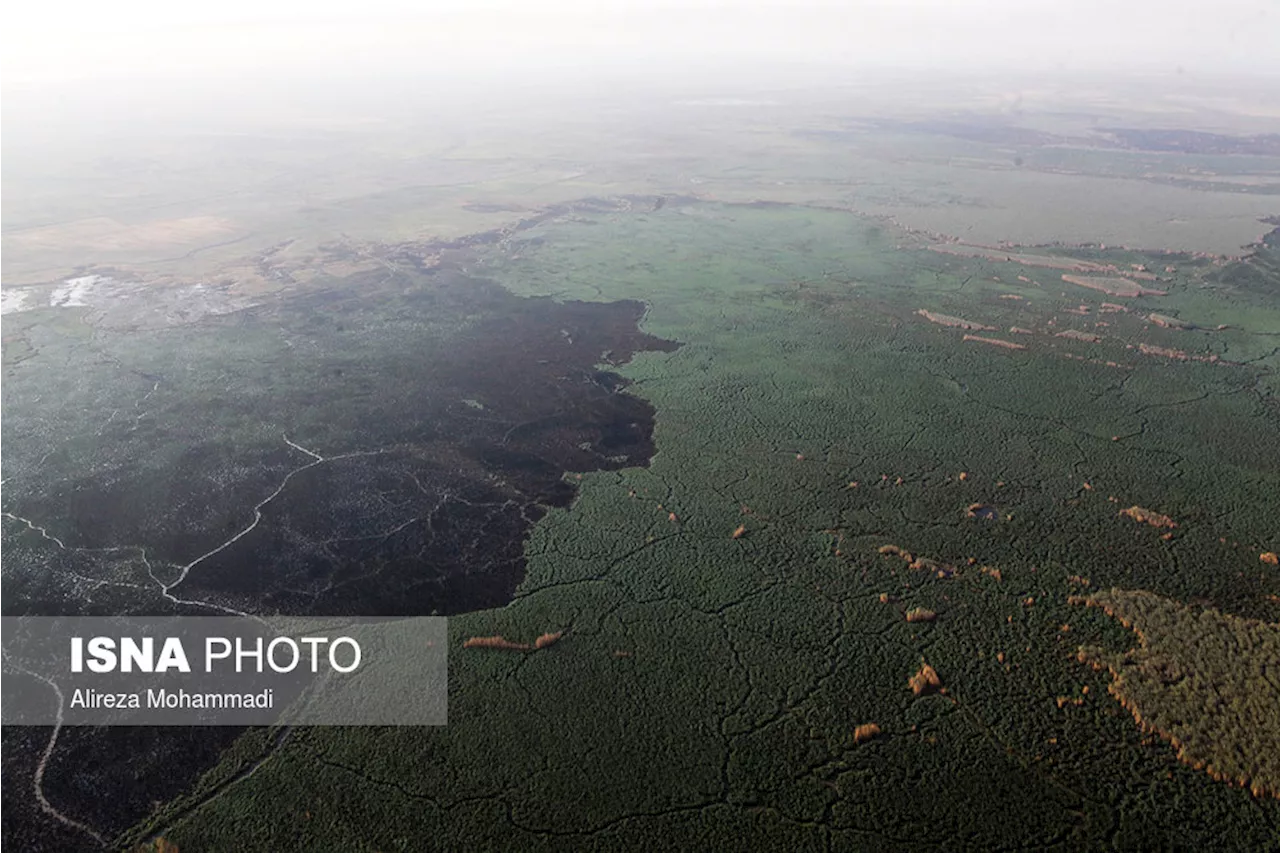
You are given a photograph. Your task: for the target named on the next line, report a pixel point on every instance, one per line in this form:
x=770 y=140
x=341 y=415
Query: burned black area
x=433 y=518
x=446 y=412
x=23 y=824
x=103 y=777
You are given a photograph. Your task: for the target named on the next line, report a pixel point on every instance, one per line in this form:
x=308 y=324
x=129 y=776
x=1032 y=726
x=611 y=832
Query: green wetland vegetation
x=730 y=613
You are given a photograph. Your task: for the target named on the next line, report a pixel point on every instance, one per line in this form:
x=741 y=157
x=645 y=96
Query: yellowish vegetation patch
x=1207 y=682
x=998 y=254
x=954 y=322
x=1113 y=285
x=496 y=642
x=1077 y=335
x=1149 y=516
x=547 y=639
x=925 y=681
x=1167 y=322
x=995 y=342
x=1179 y=355
x=866 y=732
x=503 y=644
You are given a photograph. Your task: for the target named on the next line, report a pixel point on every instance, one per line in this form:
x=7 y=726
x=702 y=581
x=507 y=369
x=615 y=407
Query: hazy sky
x=46 y=40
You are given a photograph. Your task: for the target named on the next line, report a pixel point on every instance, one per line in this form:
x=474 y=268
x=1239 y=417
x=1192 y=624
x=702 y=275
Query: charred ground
x=422 y=422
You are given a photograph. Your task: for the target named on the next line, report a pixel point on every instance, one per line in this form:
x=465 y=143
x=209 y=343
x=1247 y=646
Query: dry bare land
x=1113 y=285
